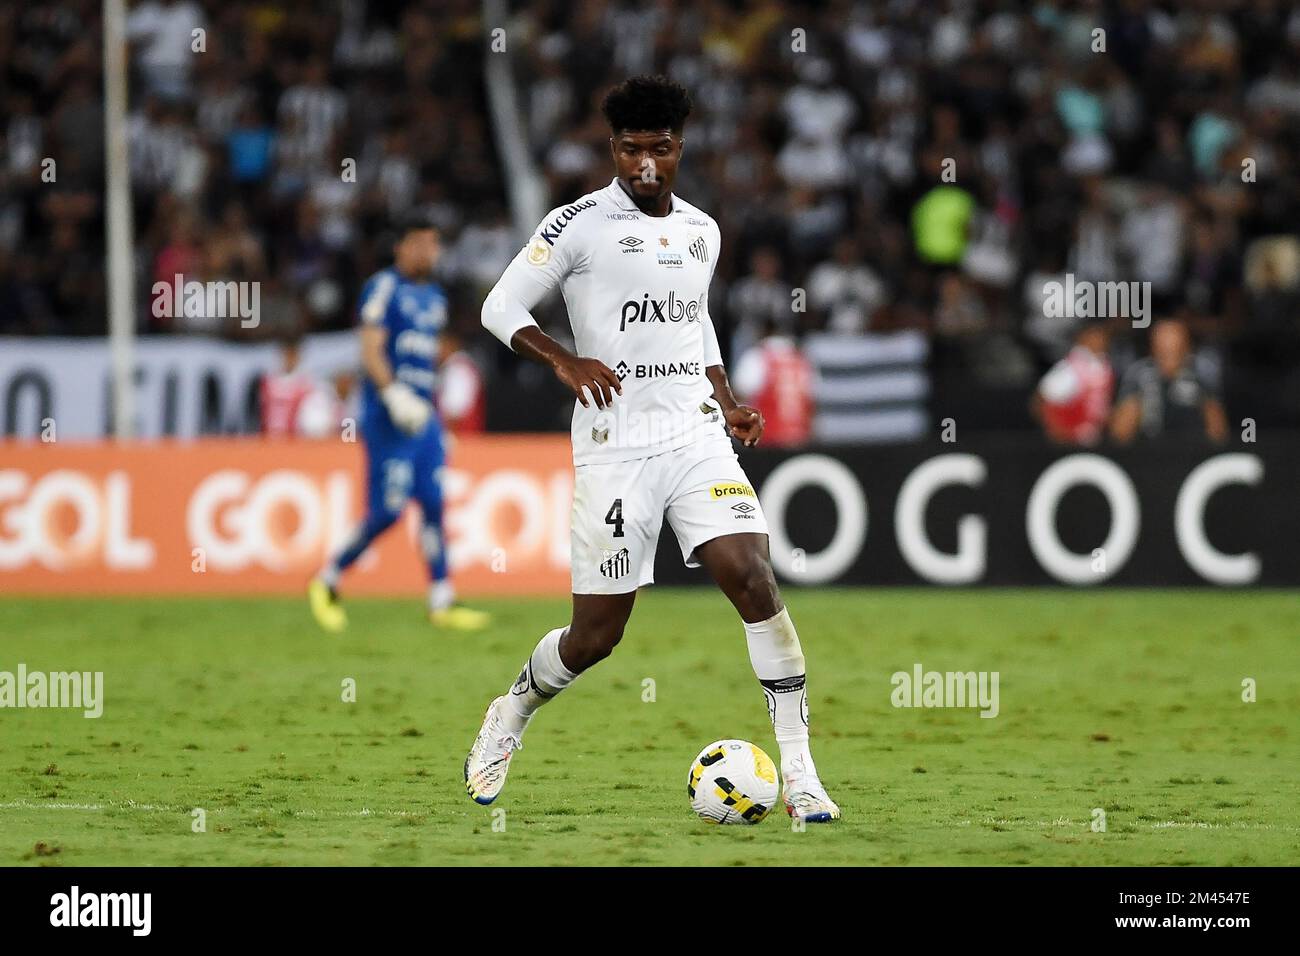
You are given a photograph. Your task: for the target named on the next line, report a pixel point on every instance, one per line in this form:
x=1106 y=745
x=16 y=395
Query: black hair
x=647 y=103
x=412 y=222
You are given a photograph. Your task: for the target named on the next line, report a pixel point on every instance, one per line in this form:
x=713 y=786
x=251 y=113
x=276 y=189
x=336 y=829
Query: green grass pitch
x=1128 y=701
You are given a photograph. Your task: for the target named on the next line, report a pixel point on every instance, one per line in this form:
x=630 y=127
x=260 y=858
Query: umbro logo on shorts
x=616 y=563
x=743 y=509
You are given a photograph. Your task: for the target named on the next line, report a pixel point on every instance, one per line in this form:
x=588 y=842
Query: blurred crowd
x=878 y=169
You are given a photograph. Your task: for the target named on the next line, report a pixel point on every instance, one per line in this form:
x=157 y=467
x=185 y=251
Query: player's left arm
x=745 y=421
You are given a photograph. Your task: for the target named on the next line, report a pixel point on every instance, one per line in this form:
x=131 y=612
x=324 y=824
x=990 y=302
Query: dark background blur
x=818 y=142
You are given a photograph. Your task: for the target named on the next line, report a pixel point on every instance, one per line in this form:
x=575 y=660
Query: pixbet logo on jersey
x=671 y=309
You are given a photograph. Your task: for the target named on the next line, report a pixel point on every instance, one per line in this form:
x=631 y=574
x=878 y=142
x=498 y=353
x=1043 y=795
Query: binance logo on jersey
x=731 y=489
x=671 y=309
x=656 y=369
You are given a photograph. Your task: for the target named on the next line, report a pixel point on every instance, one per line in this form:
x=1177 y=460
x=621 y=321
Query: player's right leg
x=389 y=483
x=564 y=653
x=616 y=521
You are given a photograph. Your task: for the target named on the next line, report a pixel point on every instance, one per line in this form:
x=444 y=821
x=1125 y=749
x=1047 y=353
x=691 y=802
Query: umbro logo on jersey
x=616 y=563
x=671 y=309
x=630 y=241
x=700 y=249
x=551 y=231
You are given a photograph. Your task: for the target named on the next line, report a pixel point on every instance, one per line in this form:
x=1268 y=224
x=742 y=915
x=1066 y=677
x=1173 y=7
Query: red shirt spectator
x=776 y=378
x=1075 y=395
x=462 y=400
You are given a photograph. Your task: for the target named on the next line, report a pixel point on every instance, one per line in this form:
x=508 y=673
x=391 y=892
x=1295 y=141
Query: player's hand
x=746 y=424
x=593 y=375
x=408 y=410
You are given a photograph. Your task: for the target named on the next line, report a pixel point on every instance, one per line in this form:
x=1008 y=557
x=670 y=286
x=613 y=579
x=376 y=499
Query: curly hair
x=647 y=103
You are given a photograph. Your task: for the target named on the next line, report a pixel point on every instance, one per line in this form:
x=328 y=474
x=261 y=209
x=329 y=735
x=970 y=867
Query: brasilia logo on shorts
x=671 y=309
x=731 y=489
x=616 y=563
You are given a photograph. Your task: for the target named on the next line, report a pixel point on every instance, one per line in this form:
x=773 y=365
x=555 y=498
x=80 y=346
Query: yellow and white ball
x=733 y=781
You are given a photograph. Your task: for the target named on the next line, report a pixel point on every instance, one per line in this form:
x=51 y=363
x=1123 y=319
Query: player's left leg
x=740 y=565
x=719 y=524
x=390 y=479
x=443 y=609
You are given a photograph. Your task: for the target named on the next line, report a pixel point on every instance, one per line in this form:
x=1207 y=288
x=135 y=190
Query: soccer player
x=651 y=432
x=402 y=311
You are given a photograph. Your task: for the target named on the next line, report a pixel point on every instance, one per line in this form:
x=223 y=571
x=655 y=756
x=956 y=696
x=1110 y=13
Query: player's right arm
x=406 y=408
x=507 y=313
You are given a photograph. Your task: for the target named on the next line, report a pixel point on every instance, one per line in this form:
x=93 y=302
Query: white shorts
x=619 y=507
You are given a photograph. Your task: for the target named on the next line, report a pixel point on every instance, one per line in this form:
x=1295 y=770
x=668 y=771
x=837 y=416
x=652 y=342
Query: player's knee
x=591 y=643
x=755 y=592
x=377 y=522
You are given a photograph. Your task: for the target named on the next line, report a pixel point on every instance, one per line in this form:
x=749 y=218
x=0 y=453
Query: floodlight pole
x=117 y=215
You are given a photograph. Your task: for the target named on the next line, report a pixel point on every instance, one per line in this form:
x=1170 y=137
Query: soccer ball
x=732 y=781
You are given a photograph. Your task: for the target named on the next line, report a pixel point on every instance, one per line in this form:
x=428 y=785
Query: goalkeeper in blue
x=402 y=311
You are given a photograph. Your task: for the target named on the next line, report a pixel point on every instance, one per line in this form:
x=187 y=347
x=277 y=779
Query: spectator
x=759 y=298
x=284 y=394
x=1073 y=399
x=462 y=397
x=1165 y=395
x=776 y=378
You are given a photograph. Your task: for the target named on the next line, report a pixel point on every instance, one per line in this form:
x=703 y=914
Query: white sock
x=441 y=595
x=777 y=658
x=544 y=675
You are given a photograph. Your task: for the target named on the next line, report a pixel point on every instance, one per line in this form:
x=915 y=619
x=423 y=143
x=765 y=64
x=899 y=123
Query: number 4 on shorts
x=615 y=517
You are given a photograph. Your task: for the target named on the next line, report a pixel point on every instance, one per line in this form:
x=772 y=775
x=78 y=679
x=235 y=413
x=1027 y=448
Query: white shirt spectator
x=165 y=33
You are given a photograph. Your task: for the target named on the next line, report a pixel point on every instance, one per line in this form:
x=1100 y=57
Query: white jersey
x=637 y=292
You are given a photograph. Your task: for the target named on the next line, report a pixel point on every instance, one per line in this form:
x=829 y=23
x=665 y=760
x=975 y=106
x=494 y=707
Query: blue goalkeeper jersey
x=412 y=312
